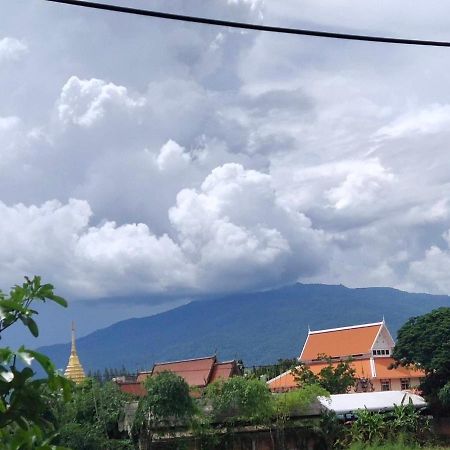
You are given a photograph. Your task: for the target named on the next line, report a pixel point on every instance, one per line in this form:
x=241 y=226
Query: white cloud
x=432 y=119
x=208 y=159
x=172 y=157
x=83 y=102
x=11 y=49
x=213 y=242
x=366 y=181
x=239 y=235
x=430 y=274
x=55 y=240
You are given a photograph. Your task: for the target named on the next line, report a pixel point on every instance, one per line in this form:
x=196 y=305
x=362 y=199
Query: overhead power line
x=251 y=26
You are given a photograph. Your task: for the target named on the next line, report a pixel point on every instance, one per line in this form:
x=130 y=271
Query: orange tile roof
x=283 y=382
x=340 y=341
x=196 y=372
x=382 y=370
x=223 y=370
x=361 y=366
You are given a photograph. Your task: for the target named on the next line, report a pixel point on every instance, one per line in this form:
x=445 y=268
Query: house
x=197 y=372
x=368 y=348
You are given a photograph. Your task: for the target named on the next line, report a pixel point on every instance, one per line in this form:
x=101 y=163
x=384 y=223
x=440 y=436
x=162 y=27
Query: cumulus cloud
x=11 y=49
x=209 y=160
x=239 y=235
x=218 y=244
x=83 y=102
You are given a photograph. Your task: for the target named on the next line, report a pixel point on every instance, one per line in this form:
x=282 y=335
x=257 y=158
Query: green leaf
x=32 y=326
x=44 y=361
x=57 y=299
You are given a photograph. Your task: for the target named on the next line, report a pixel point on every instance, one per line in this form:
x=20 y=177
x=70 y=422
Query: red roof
x=223 y=371
x=340 y=342
x=133 y=388
x=196 y=372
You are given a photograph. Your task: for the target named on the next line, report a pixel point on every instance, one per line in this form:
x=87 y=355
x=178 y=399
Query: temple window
x=405 y=384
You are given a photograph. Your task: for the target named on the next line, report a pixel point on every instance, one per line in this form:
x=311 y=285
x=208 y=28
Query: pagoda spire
x=74 y=370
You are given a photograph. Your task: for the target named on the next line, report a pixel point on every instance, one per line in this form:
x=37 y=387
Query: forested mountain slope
x=257 y=327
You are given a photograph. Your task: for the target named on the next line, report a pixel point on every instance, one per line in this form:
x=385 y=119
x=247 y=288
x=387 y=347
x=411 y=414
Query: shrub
x=240 y=399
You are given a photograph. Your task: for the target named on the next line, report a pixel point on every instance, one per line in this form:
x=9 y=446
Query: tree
x=424 y=342
x=166 y=404
x=335 y=378
x=25 y=414
x=90 y=420
x=273 y=370
x=240 y=399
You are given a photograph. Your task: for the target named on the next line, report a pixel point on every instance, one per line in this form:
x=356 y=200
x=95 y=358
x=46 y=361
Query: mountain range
x=258 y=328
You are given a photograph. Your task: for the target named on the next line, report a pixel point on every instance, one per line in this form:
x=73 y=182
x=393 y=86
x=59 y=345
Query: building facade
x=368 y=349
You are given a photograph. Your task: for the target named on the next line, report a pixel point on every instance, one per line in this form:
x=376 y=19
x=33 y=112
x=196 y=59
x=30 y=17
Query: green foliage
x=335 y=377
x=444 y=395
x=424 y=341
x=167 y=404
x=389 y=446
x=108 y=374
x=25 y=419
x=298 y=401
x=168 y=397
x=369 y=427
x=273 y=370
x=90 y=420
x=403 y=424
x=240 y=399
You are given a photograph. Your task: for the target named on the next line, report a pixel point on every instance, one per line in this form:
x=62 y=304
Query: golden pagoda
x=74 y=370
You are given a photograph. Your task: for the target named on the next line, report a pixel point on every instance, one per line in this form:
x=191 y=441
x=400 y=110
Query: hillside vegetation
x=258 y=328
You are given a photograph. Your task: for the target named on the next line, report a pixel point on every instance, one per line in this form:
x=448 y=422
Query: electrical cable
x=250 y=26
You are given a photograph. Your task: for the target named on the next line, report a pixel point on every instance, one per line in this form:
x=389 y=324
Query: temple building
x=74 y=370
x=368 y=348
x=197 y=372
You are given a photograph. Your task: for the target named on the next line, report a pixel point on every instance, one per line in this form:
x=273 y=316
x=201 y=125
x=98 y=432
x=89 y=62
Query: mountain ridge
x=257 y=327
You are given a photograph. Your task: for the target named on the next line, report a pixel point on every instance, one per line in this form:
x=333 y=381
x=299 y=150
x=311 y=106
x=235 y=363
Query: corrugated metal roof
x=373 y=401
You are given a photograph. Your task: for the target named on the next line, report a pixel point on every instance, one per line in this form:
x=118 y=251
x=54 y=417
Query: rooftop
x=341 y=342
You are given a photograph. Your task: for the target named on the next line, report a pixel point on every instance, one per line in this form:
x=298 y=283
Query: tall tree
x=167 y=403
x=424 y=341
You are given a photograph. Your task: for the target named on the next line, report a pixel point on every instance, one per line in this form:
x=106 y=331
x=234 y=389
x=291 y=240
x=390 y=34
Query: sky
x=145 y=163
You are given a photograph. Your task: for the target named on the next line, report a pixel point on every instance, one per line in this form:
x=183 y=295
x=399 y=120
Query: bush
x=166 y=405
x=298 y=401
x=90 y=420
x=240 y=399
